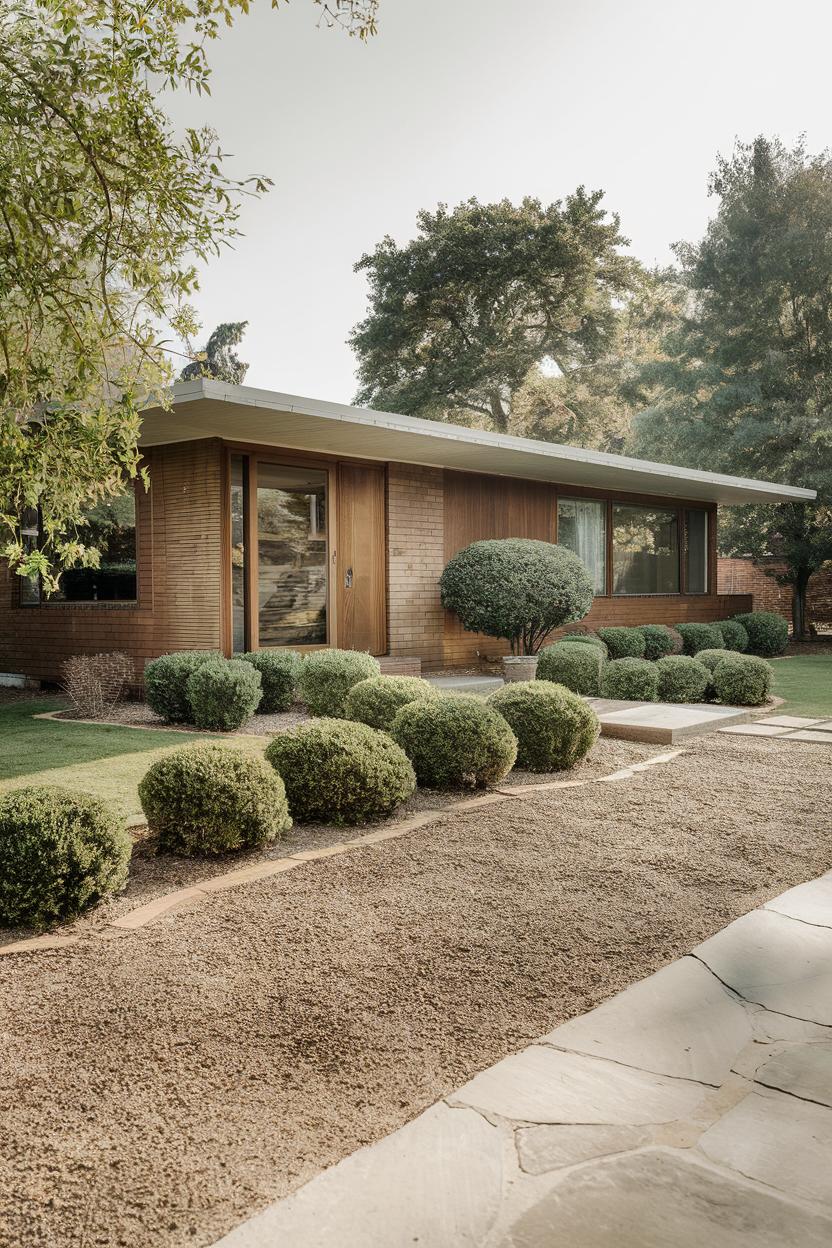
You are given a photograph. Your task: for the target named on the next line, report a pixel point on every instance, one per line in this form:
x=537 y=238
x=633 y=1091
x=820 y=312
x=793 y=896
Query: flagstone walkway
x=787 y=728
x=693 y=1108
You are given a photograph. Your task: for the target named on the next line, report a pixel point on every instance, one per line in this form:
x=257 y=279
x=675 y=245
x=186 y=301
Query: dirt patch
x=139 y=715
x=161 y=1086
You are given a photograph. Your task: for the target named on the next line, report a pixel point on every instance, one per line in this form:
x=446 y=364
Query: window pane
x=291 y=543
x=582 y=528
x=111 y=528
x=645 y=550
x=29 y=535
x=238 y=553
x=697 y=552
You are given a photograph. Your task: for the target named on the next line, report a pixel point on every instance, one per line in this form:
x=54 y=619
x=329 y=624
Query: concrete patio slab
x=466 y=684
x=778 y=962
x=790 y=721
x=678 y=1022
x=664 y=722
x=811 y=903
x=811 y=734
x=763 y=729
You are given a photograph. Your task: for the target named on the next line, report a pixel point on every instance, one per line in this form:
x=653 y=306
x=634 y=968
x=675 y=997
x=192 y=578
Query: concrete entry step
x=663 y=723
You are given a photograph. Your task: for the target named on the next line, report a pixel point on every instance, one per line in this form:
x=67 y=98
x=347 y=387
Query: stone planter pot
x=519 y=667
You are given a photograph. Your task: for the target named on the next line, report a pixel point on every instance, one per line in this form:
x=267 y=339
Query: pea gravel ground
x=160 y=1086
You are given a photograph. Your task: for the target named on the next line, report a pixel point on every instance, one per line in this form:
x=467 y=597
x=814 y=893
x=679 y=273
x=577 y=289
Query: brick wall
x=415 y=559
x=744 y=576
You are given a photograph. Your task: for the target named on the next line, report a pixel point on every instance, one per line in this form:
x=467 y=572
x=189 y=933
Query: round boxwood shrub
x=341 y=772
x=710 y=658
x=698 y=637
x=586 y=639
x=279 y=675
x=682 y=679
x=554 y=728
x=633 y=680
x=59 y=853
x=224 y=694
x=623 y=643
x=734 y=635
x=166 y=682
x=516 y=588
x=376 y=700
x=768 y=633
x=578 y=667
x=455 y=742
x=658 y=640
x=326 y=677
x=742 y=680
x=208 y=799
x=677 y=639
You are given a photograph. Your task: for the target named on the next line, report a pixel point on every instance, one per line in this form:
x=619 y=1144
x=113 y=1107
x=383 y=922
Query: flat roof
x=205 y=408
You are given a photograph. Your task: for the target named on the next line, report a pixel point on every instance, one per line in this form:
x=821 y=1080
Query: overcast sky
x=492 y=98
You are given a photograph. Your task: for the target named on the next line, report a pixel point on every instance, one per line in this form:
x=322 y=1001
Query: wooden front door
x=360 y=562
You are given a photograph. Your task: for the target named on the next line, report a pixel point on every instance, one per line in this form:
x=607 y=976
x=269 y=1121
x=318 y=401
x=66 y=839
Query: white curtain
x=582 y=526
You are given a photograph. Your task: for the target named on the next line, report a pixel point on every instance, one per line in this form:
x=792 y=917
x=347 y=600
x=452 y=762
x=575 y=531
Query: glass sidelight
x=291 y=555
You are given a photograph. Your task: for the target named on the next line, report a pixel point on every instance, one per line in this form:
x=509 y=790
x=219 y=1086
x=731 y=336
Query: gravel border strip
x=142 y=915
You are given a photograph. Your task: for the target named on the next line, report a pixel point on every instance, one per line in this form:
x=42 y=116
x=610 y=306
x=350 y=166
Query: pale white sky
x=493 y=98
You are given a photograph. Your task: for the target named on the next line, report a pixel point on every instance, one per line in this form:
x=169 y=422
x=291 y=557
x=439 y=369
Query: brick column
x=416 y=557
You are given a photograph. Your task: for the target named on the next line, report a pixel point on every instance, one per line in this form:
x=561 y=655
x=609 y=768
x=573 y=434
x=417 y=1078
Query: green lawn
x=805 y=681
x=106 y=760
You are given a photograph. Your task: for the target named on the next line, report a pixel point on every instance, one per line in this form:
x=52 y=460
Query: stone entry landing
x=693 y=1108
x=663 y=722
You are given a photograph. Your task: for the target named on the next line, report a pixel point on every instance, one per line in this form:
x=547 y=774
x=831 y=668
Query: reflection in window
x=110 y=527
x=29 y=536
x=239 y=503
x=645 y=550
x=582 y=528
x=291 y=544
x=697 y=551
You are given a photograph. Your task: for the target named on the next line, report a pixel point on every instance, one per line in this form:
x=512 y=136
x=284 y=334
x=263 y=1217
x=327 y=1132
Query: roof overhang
x=209 y=409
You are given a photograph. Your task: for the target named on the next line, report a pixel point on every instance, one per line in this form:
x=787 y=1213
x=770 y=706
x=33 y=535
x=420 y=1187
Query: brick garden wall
x=744 y=576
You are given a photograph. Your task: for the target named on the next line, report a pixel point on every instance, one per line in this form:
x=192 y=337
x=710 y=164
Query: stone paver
x=693 y=1109
x=764 y=729
x=810 y=734
x=790 y=721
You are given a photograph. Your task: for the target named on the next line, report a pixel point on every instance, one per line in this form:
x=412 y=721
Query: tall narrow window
x=239 y=510
x=645 y=550
x=292 y=555
x=111 y=528
x=696 y=523
x=582 y=528
x=29 y=537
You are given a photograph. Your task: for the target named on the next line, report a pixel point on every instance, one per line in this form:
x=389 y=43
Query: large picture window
x=582 y=528
x=239 y=517
x=111 y=528
x=645 y=550
x=696 y=566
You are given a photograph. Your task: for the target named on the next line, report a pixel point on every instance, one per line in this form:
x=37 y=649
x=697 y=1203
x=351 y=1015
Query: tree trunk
x=498 y=413
x=800 y=625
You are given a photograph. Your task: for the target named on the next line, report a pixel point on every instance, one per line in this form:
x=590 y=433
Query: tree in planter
x=745 y=382
x=517 y=589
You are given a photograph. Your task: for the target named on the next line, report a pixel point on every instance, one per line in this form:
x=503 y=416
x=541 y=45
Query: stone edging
x=144 y=914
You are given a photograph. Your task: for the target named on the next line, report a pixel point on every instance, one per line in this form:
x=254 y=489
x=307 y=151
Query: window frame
x=680 y=546
x=604 y=504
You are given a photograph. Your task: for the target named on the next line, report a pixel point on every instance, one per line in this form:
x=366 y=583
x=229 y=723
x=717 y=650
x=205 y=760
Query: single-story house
x=278 y=521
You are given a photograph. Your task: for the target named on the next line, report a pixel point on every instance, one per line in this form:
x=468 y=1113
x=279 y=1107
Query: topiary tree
x=700 y=637
x=576 y=667
x=224 y=694
x=554 y=728
x=734 y=635
x=742 y=680
x=166 y=682
x=59 y=853
x=623 y=643
x=768 y=633
x=658 y=640
x=208 y=799
x=326 y=677
x=376 y=700
x=455 y=742
x=517 y=589
x=336 y=771
x=633 y=680
x=279 y=671
x=682 y=679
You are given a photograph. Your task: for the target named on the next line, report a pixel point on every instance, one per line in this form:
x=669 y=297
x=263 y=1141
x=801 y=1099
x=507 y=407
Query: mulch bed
x=163 y=1085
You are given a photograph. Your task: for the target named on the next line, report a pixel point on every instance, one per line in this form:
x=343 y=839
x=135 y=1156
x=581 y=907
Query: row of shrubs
x=60 y=853
x=760 y=633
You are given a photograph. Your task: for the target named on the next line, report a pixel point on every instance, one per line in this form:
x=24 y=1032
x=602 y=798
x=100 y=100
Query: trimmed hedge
x=326 y=677
x=279 y=675
x=742 y=680
x=554 y=728
x=455 y=741
x=623 y=643
x=224 y=694
x=586 y=639
x=710 y=658
x=734 y=635
x=658 y=640
x=577 y=667
x=682 y=679
x=698 y=637
x=337 y=771
x=376 y=700
x=208 y=799
x=634 y=680
x=59 y=853
x=166 y=682
x=768 y=634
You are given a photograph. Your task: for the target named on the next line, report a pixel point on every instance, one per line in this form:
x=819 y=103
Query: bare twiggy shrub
x=95 y=683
